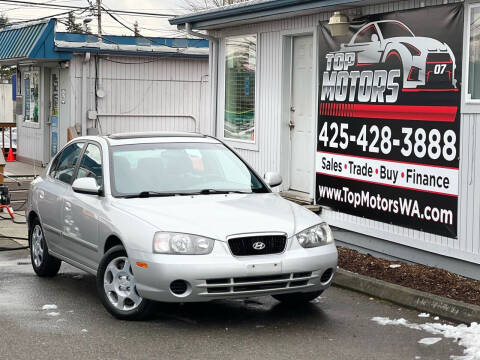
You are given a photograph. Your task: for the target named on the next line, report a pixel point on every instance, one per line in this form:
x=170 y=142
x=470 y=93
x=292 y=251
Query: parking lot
x=74 y=324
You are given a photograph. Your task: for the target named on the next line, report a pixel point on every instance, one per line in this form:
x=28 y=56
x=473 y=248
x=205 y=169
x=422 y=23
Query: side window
x=91 y=165
x=66 y=163
x=365 y=35
x=54 y=166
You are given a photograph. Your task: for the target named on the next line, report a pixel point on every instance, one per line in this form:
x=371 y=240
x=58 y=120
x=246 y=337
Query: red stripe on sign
x=429 y=90
x=406 y=112
x=387 y=160
x=391 y=185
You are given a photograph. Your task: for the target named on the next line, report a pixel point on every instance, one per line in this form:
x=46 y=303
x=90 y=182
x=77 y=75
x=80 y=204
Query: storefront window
x=31 y=95
x=240 y=69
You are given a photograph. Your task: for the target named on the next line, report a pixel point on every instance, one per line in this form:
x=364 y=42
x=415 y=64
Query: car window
x=66 y=163
x=91 y=164
x=365 y=35
x=394 y=29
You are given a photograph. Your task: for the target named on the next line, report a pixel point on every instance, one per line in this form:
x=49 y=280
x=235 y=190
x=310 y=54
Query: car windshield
x=178 y=169
x=394 y=29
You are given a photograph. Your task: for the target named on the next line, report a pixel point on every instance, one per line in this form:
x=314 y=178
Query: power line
x=71 y=7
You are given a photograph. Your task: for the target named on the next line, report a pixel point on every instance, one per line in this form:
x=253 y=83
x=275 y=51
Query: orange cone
x=10 y=156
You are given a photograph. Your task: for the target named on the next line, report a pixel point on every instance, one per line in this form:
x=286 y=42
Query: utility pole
x=99 y=19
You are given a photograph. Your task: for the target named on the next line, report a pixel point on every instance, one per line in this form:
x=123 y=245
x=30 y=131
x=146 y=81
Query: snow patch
x=49 y=307
x=424 y=315
x=84 y=330
x=53 y=313
x=395 y=266
x=436 y=318
x=429 y=341
x=467 y=336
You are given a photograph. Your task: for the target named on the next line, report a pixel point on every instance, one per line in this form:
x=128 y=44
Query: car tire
x=44 y=264
x=298 y=298
x=116 y=287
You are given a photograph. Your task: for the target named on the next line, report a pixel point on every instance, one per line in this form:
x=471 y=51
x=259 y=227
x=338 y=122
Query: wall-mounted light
x=338 y=24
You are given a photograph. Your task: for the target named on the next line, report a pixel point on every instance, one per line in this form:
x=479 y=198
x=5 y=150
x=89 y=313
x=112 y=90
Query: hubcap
x=37 y=245
x=120 y=286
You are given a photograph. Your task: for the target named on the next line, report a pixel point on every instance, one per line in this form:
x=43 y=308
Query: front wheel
x=117 y=289
x=298 y=298
x=44 y=264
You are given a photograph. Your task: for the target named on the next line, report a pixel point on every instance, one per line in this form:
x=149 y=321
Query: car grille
x=438 y=57
x=256 y=284
x=252 y=245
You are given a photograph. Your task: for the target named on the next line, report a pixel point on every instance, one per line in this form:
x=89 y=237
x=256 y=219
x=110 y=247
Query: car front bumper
x=220 y=275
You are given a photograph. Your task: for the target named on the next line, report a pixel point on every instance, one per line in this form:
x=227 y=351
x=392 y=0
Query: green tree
x=3 y=20
x=72 y=25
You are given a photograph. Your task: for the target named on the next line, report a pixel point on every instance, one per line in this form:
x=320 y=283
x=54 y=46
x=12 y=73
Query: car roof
x=151 y=137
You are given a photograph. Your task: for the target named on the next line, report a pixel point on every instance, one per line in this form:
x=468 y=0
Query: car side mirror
x=374 y=38
x=86 y=185
x=273 y=178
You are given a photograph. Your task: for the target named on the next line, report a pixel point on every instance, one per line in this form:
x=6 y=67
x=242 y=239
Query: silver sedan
x=173 y=217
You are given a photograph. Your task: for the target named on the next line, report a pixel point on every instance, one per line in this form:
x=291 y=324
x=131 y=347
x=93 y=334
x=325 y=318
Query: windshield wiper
x=213 y=191
x=147 y=194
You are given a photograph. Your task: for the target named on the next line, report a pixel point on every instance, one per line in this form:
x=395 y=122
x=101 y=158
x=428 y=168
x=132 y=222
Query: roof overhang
x=262 y=10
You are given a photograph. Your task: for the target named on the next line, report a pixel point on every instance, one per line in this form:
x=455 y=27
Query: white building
x=71 y=84
x=384 y=104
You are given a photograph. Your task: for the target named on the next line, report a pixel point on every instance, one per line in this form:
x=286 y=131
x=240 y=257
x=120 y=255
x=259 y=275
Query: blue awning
x=29 y=41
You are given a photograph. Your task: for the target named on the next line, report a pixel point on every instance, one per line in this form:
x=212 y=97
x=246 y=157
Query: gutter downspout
x=213 y=67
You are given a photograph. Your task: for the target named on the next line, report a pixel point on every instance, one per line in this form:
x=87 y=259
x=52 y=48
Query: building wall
x=270 y=154
x=144 y=93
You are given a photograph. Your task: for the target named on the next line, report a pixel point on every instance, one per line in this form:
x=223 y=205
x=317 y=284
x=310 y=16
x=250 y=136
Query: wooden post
x=2 y=167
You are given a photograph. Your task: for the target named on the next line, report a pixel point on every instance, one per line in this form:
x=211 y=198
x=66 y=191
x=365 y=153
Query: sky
x=149 y=26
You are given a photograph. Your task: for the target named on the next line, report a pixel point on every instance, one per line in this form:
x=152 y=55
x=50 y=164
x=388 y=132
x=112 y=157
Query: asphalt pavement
x=338 y=325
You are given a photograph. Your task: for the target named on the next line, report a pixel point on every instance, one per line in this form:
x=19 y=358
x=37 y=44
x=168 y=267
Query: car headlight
x=181 y=244
x=317 y=235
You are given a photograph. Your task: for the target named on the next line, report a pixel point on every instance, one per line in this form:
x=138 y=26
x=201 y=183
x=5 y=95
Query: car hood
x=218 y=216
x=422 y=43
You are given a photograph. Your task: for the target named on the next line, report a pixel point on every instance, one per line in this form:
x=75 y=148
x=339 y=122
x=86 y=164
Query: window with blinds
x=240 y=69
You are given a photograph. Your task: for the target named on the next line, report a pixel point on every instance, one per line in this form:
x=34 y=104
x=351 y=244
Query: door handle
x=292 y=108
x=41 y=194
x=68 y=206
x=291 y=124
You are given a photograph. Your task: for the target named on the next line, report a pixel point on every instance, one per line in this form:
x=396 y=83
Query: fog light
x=179 y=287
x=326 y=276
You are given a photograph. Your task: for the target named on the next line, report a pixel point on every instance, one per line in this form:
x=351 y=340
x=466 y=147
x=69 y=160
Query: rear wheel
x=116 y=286
x=44 y=264
x=298 y=298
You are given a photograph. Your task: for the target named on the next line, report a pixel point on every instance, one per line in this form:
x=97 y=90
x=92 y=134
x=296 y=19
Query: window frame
x=74 y=174
x=469 y=105
x=30 y=72
x=77 y=167
x=238 y=143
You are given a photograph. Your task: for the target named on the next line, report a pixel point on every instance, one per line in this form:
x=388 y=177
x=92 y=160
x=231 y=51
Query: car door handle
x=68 y=206
x=41 y=194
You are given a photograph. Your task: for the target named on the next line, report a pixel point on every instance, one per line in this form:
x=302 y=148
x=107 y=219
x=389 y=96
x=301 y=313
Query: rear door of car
x=50 y=194
x=81 y=212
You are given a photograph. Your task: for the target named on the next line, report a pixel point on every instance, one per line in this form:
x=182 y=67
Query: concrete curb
x=446 y=308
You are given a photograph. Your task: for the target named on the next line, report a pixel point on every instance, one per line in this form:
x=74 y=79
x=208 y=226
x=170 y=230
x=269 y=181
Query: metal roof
x=153 y=134
x=39 y=41
x=29 y=41
x=259 y=10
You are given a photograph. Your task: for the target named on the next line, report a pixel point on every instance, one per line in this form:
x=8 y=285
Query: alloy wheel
x=37 y=245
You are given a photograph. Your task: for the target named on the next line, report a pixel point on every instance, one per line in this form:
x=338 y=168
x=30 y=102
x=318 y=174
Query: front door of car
x=50 y=194
x=82 y=211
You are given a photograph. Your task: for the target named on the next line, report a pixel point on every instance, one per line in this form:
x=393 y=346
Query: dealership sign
x=389 y=118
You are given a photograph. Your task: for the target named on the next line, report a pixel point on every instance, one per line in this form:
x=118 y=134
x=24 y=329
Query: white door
x=302 y=115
